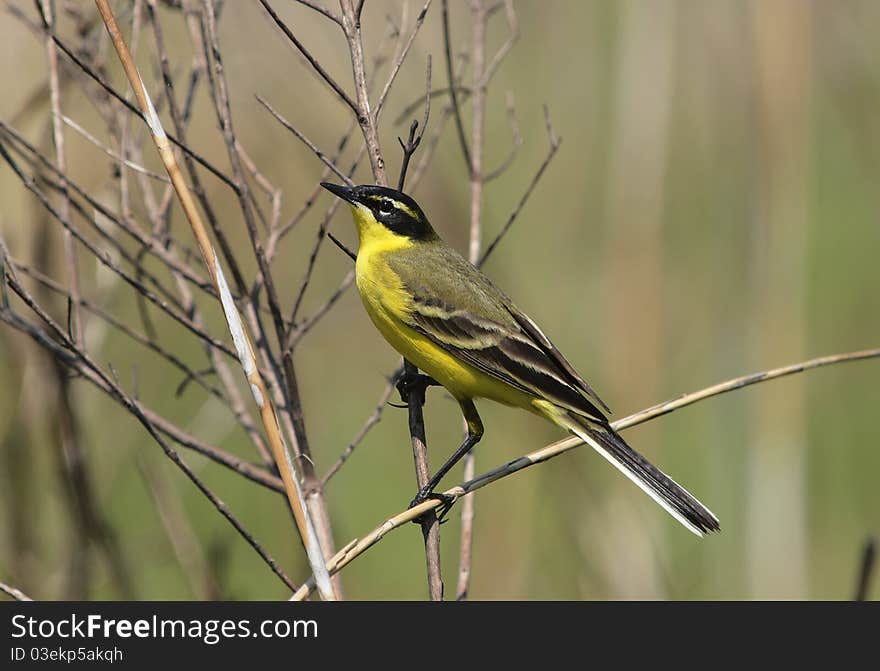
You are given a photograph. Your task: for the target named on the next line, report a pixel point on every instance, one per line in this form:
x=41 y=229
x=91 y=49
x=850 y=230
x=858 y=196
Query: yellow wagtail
x=448 y=319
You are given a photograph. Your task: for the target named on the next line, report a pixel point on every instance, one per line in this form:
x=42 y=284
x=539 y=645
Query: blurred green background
x=712 y=211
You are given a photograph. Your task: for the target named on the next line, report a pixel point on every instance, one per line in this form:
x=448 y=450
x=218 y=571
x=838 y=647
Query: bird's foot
x=414 y=386
x=447 y=502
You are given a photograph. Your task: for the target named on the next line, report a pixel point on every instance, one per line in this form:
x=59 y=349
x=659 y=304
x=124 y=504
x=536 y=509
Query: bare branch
x=321 y=9
x=419 y=102
x=144 y=340
x=307 y=324
x=109 y=89
x=501 y=54
x=112 y=154
x=447 y=46
x=357 y=547
x=66 y=351
x=517 y=142
x=554 y=146
x=243 y=344
x=60 y=163
x=415 y=140
x=306 y=141
x=374 y=418
x=308 y=56
x=104 y=259
x=402 y=57
x=365 y=117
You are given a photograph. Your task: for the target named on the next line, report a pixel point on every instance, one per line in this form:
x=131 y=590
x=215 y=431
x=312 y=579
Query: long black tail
x=659 y=486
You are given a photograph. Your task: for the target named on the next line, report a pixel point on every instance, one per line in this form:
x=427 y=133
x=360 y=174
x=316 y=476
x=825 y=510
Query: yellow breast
x=388 y=304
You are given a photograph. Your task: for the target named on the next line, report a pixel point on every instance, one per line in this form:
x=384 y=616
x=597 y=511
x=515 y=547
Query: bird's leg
x=414 y=383
x=474 y=434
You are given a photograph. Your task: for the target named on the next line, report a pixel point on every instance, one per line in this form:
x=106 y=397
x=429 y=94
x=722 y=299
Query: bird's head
x=378 y=210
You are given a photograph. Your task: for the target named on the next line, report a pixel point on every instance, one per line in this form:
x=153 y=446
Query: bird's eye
x=385 y=209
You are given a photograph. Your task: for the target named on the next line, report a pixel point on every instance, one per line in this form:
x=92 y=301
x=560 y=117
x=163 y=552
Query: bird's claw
x=414 y=384
x=447 y=502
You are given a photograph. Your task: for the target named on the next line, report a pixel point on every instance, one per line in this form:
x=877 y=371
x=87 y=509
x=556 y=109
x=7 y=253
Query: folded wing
x=477 y=323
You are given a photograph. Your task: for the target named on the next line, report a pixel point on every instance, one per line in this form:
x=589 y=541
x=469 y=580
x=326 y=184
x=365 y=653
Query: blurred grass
x=571 y=528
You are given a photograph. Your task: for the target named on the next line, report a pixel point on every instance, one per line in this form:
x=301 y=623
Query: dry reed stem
x=242 y=342
x=14 y=592
x=357 y=547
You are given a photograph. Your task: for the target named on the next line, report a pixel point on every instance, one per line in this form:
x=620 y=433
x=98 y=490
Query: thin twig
x=374 y=418
x=309 y=322
x=64 y=349
x=242 y=341
x=420 y=102
x=60 y=163
x=112 y=154
x=398 y=62
x=504 y=49
x=105 y=260
x=459 y=124
x=554 y=147
x=321 y=9
x=357 y=547
x=515 y=147
x=109 y=89
x=125 y=223
x=479 y=20
x=365 y=117
x=311 y=59
x=306 y=141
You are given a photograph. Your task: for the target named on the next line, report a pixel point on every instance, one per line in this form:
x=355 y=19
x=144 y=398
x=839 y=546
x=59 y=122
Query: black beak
x=344 y=192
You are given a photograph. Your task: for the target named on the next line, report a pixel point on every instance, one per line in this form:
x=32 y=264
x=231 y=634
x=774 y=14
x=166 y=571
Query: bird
x=455 y=325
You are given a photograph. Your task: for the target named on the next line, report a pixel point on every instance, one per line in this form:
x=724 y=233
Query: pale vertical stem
x=478 y=102
x=70 y=457
x=310 y=482
x=466 y=547
x=776 y=517
x=243 y=345
x=632 y=329
x=58 y=140
x=365 y=116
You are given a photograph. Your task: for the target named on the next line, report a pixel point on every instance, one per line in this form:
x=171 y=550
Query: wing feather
x=550 y=350
x=458 y=308
x=501 y=350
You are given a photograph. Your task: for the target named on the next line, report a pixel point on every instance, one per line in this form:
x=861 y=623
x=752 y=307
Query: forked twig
x=243 y=344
